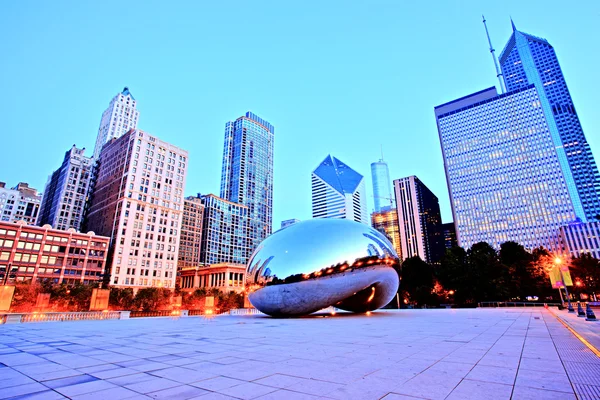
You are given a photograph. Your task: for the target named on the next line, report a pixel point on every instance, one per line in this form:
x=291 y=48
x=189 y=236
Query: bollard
x=570 y=307
x=580 y=312
x=589 y=313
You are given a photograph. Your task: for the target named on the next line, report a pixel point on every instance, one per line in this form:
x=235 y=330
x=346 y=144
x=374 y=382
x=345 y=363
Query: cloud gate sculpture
x=319 y=263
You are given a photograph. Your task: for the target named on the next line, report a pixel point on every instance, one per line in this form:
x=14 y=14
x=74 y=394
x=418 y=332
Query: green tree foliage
x=418 y=281
x=121 y=298
x=475 y=275
x=453 y=274
x=586 y=270
x=25 y=297
x=525 y=272
x=152 y=299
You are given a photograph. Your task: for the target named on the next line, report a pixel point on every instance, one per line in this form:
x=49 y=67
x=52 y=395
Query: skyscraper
x=138 y=202
x=518 y=166
x=503 y=170
x=529 y=60
x=191 y=232
x=247 y=174
x=21 y=203
x=66 y=192
x=120 y=116
x=382 y=188
x=449 y=235
x=338 y=192
x=225 y=229
x=387 y=223
x=419 y=219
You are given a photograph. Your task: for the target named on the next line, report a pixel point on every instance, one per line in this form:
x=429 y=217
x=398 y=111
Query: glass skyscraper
x=518 y=165
x=503 y=169
x=382 y=188
x=338 y=191
x=419 y=220
x=247 y=174
x=527 y=60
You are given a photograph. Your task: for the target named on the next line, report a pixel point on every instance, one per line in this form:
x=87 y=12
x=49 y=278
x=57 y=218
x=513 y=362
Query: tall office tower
x=579 y=238
x=506 y=170
x=120 y=116
x=225 y=229
x=247 y=174
x=191 y=232
x=338 y=191
x=419 y=219
x=138 y=201
x=66 y=192
x=382 y=188
x=21 y=203
x=529 y=60
x=449 y=235
x=387 y=223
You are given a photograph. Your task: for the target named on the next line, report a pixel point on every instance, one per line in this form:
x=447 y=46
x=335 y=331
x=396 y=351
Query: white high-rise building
x=120 y=116
x=419 y=219
x=138 y=202
x=66 y=192
x=338 y=192
x=19 y=203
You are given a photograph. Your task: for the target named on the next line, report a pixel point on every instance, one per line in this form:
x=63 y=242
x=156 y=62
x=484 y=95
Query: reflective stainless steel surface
x=319 y=263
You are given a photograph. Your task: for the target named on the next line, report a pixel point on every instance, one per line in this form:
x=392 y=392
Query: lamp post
x=558 y=262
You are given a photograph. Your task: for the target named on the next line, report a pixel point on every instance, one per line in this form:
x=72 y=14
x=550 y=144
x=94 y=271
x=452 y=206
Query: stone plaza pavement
x=432 y=354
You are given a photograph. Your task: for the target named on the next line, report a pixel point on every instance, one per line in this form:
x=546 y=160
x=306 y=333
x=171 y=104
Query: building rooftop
x=337 y=174
x=424 y=354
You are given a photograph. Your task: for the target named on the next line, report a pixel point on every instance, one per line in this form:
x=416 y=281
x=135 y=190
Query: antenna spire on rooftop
x=492 y=51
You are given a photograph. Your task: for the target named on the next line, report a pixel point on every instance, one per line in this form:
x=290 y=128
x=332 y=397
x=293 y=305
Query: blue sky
x=337 y=77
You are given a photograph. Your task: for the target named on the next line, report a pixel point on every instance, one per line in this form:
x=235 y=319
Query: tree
x=418 y=281
x=152 y=299
x=542 y=264
x=121 y=298
x=519 y=264
x=452 y=273
x=586 y=270
x=79 y=297
x=489 y=275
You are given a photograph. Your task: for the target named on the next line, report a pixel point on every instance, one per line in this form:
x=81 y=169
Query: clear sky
x=339 y=77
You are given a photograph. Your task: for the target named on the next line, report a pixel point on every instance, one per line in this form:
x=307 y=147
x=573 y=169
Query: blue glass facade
x=247 y=174
x=527 y=60
x=382 y=188
x=225 y=236
x=504 y=173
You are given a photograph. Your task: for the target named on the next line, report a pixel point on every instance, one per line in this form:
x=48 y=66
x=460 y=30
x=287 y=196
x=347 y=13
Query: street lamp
x=558 y=262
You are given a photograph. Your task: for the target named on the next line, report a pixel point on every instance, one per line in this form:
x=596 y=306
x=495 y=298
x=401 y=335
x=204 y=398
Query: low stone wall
x=18 y=318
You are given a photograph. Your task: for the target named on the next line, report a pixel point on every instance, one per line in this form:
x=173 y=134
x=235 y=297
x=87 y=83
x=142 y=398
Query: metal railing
x=162 y=313
x=498 y=304
x=244 y=311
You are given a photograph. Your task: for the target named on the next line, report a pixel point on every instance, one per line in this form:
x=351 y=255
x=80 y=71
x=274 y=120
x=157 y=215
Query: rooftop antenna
x=381 y=151
x=492 y=51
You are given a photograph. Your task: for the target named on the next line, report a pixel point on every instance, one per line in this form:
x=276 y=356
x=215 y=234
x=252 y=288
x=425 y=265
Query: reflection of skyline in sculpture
x=322 y=262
